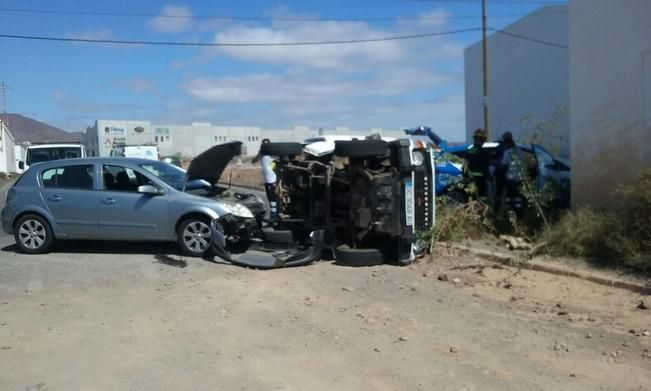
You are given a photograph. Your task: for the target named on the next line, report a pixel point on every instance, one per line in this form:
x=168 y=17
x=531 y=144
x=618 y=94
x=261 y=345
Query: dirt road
x=96 y=316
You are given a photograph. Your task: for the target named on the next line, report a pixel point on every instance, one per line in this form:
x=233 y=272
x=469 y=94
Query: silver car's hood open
x=211 y=163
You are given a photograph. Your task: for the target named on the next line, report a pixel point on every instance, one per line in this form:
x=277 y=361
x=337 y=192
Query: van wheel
x=281 y=149
x=361 y=148
x=358 y=256
x=33 y=234
x=194 y=236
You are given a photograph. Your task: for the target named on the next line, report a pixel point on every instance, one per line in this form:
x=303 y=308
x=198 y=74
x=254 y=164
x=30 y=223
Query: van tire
x=278 y=236
x=345 y=255
x=281 y=149
x=361 y=148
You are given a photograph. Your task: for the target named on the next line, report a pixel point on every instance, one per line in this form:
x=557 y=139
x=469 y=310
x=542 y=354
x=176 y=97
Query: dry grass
x=454 y=223
x=622 y=236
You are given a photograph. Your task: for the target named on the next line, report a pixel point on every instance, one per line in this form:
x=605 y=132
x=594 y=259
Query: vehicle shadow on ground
x=163 y=252
x=105 y=247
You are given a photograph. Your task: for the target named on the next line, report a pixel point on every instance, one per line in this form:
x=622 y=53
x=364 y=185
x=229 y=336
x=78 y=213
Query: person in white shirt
x=269 y=176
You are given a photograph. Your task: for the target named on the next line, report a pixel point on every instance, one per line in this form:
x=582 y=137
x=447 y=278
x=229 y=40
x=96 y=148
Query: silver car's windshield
x=172 y=175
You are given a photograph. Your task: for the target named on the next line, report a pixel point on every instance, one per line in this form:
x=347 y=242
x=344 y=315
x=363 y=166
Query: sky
x=389 y=84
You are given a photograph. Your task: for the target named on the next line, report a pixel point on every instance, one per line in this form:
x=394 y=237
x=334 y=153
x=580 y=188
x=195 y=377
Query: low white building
x=190 y=140
x=7 y=151
x=20 y=154
x=528 y=77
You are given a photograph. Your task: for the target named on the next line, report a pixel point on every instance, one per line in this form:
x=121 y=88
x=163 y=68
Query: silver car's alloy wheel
x=32 y=234
x=196 y=236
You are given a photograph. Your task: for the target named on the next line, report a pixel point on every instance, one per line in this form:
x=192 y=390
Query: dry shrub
x=458 y=222
x=3 y=176
x=623 y=235
x=582 y=233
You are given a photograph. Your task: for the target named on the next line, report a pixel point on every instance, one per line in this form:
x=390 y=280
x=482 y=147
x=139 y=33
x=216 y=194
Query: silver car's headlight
x=237 y=210
x=418 y=158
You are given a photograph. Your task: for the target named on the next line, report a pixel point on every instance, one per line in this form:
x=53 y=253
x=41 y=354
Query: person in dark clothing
x=478 y=162
x=507 y=148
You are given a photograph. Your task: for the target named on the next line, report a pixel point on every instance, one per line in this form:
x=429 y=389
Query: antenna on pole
x=3 y=90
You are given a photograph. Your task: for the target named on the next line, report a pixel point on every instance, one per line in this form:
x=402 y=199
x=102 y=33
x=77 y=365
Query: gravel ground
x=118 y=316
x=107 y=316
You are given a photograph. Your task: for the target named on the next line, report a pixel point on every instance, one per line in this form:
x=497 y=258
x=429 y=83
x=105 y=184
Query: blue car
x=540 y=164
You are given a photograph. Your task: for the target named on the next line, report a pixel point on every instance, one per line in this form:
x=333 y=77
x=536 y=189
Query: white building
x=190 y=140
x=20 y=154
x=7 y=153
x=526 y=78
x=610 y=95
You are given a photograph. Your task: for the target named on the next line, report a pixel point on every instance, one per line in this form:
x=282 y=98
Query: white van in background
x=37 y=153
x=137 y=151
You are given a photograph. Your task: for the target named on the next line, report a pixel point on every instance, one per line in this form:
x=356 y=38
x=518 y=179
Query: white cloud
x=172 y=19
x=139 y=84
x=385 y=84
x=300 y=87
x=341 y=56
x=101 y=34
x=318 y=56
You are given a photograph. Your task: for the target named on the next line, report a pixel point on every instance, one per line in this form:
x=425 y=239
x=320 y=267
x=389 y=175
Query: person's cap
x=479 y=133
x=507 y=136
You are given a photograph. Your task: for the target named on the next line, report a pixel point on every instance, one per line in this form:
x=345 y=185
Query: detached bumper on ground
x=262 y=254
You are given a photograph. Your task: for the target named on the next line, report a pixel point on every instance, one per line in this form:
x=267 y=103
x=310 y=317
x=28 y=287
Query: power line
x=548 y=43
x=250 y=18
x=233 y=44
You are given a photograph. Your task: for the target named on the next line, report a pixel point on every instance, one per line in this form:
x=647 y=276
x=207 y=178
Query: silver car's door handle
x=54 y=198
x=108 y=201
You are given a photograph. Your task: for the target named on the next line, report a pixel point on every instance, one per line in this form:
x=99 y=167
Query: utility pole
x=485 y=68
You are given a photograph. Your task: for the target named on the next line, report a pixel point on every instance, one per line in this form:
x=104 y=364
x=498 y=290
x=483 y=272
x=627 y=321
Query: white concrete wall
x=190 y=140
x=7 y=150
x=610 y=95
x=524 y=77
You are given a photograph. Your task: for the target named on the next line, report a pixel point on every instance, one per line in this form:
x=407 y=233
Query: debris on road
x=515 y=243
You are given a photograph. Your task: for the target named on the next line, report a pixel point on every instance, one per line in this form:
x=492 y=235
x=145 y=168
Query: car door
x=545 y=167
x=70 y=195
x=126 y=214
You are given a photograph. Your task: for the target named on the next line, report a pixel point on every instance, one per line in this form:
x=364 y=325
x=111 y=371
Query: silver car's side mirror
x=149 y=189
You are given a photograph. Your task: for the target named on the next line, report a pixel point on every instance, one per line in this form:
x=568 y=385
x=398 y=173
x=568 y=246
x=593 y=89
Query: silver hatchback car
x=113 y=199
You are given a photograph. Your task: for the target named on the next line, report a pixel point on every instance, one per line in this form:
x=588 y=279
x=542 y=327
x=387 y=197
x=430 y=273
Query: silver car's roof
x=94 y=160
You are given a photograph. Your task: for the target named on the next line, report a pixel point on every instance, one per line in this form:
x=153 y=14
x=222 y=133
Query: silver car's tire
x=33 y=234
x=194 y=236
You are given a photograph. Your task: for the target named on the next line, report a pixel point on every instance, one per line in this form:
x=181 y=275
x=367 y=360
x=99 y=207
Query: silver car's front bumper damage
x=261 y=254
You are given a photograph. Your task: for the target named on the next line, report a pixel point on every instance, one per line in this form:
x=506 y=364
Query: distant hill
x=28 y=129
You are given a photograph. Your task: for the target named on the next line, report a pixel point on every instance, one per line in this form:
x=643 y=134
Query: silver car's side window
x=120 y=178
x=70 y=177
